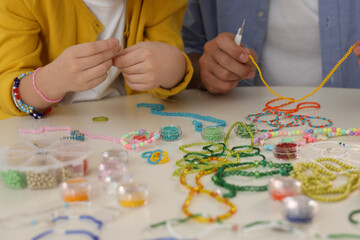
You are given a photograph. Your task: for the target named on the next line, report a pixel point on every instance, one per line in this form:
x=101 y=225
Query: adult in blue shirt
x=297 y=42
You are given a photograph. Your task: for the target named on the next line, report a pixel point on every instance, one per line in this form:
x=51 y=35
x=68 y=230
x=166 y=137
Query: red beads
x=286 y=151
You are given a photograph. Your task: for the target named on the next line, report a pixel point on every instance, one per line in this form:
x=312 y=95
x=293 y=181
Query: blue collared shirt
x=339 y=22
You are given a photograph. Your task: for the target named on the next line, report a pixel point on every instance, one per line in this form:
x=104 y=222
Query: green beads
x=213 y=134
x=243 y=133
x=14 y=179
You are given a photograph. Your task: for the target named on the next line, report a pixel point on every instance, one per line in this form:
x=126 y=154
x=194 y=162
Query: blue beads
x=170 y=133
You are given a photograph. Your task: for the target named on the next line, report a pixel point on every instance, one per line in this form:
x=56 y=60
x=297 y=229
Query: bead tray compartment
x=42 y=164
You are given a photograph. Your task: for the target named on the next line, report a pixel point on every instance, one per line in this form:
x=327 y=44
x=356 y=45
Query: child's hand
x=357 y=50
x=78 y=68
x=148 y=65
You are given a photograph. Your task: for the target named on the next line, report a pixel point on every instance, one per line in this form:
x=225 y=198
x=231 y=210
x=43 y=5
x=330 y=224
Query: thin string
x=320 y=86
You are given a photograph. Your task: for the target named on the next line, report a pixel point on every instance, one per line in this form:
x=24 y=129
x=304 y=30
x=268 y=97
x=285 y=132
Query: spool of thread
x=281 y=187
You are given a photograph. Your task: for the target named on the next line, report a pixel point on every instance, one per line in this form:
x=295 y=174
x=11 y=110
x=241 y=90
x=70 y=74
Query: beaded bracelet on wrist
x=23 y=106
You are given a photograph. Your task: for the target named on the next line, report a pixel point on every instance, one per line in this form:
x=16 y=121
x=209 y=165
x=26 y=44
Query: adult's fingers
x=225 y=41
x=216 y=85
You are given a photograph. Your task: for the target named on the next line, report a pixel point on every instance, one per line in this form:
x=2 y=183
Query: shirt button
x=261 y=14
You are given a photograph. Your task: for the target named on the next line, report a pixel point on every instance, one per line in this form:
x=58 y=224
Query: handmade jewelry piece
x=156 y=157
x=319 y=134
x=158 y=109
x=199 y=189
x=138 y=139
x=299 y=106
x=284 y=169
x=320 y=86
x=298 y=120
x=75 y=135
x=100 y=119
x=39 y=92
x=351 y=215
x=319 y=186
x=23 y=106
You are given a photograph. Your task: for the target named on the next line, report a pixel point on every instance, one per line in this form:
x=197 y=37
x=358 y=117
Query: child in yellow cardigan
x=78 y=50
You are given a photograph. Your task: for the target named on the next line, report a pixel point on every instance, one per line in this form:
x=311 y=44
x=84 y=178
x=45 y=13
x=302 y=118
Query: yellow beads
x=317 y=179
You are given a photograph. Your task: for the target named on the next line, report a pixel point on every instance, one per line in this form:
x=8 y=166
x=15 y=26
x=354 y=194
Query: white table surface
x=166 y=194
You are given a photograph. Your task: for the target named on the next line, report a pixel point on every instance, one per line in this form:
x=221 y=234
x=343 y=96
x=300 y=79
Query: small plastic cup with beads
x=299 y=209
x=281 y=187
x=112 y=182
x=115 y=154
x=213 y=133
x=170 y=133
x=242 y=132
x=133 y=194
x=286 y=151
x=109 y=168
x=76 y=190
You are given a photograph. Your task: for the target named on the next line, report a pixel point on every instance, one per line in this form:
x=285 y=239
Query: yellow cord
x=320 y=86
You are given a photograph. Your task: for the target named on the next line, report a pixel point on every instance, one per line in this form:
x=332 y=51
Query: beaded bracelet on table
x=23 y=106
x=138 y=139
x=299 y=120
x=316 y=134
x=218 y=178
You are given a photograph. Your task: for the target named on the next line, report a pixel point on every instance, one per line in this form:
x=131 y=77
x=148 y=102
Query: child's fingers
x=136 y=79
x=92 y=48
x=129 y=59
x=139 y=68
x=94 y=60
x=96 y=71
x=135 y=47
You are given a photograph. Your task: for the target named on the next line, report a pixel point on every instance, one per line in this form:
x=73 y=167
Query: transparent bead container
x=281 y=187
x=131 y=195
x=76 y=190
x=299 y=209
x=112 y=182
x=213 y=133
x=286 y=151
x=170 y=133
x=42 y=164
x=115 y=154
x=108 y=168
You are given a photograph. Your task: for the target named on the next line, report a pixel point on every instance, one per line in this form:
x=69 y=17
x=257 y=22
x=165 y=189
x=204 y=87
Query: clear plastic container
x=131 y=195
x=281 y=187
x=42 y=164
x=76 y=190
x=112 y=182
x=213 y=133
x=115 y=154
x=286 y=151
x=171 y=133
x=110 y=168
x=299 y=209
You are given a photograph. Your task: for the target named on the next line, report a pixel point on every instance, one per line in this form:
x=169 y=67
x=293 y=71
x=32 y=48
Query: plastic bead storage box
x=42 y=164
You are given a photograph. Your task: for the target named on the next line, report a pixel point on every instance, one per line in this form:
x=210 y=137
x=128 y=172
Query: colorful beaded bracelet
x=39 y=92
x=23 y=106
x=138 y=139
x=320 y=134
